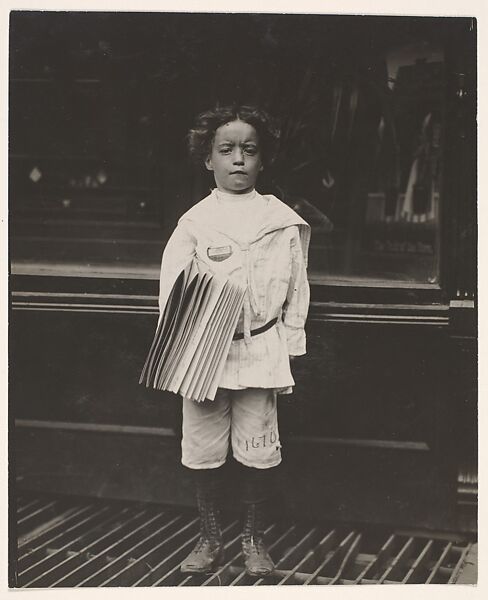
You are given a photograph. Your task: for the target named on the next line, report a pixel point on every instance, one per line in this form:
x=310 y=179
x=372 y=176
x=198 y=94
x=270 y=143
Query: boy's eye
x=225 y=150
x=252 y=150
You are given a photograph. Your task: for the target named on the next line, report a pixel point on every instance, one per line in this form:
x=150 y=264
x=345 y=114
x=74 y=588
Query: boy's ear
x=208 y=163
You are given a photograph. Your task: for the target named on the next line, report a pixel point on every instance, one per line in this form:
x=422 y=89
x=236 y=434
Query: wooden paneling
x=367 y=434
x=79 y=359
x=314 y=481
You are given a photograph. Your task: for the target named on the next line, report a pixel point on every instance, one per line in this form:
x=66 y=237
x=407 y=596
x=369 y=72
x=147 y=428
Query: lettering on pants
x=261 y=441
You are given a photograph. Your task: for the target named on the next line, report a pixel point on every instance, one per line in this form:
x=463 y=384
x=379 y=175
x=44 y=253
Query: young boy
x=261 y=243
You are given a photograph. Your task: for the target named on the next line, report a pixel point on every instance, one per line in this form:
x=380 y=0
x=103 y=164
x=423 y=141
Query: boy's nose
x=238 y=157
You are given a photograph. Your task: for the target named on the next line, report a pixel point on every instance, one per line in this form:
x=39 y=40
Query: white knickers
x=248 y=417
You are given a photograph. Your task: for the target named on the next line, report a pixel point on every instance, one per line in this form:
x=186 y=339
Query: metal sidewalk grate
x=67 y=542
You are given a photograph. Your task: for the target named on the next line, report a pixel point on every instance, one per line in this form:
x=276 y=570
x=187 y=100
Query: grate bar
x=323 y=547
x=460 y=562
x=59 y=553
x=289 y=578
x=68 y=543
x=81 y=556
x=21 y=502
x=434 y=576
x=414 y=575
x=158 y=569
x=332 y=557
x=297 y=550
x=399 y=560
x=35 y=510
x=291 y=531
x=301 y=578
x=101 y=555
x=56 y=531
x=348 y=558
x=377 y=561
x=34 y=518
x=157 y=574
x=46 y=529
x=26 y=507
x=290 y=558
x=135 y=564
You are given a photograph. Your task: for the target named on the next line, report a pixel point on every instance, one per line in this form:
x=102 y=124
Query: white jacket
x=273 y=267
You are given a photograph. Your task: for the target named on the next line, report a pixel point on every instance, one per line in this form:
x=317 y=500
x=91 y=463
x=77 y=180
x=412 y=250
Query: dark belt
x=262 y=329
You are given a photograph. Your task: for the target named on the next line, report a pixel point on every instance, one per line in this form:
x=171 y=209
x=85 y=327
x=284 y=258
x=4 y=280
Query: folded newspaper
x=194 y=334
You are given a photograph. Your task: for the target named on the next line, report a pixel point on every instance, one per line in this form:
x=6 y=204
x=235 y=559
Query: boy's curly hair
x=201 y=136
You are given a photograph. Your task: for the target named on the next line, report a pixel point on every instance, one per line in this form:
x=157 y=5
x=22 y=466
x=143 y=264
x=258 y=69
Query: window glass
x=98 y=168
x=83 y=193
x=369 y=180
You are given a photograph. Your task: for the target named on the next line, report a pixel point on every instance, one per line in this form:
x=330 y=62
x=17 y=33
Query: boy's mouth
x=238 y=173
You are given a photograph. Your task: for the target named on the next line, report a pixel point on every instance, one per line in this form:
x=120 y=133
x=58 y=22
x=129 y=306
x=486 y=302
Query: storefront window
x=98 y=166
x=370 y=187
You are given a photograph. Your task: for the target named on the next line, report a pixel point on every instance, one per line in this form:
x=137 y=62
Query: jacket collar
x=277 y=215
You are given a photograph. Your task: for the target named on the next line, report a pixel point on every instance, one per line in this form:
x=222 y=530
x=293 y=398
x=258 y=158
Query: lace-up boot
x=209 y=549
x=256 y=557
x=257 y=485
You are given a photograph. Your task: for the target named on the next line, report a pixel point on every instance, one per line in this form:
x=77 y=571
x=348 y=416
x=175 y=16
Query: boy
x=261 y=243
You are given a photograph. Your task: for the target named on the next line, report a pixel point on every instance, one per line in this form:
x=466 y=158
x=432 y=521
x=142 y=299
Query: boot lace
x=253 y=534
x=200 y=545
x=209 y=523
x=256 y=544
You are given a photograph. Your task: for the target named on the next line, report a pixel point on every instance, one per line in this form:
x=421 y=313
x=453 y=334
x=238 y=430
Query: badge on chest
x=219 y=253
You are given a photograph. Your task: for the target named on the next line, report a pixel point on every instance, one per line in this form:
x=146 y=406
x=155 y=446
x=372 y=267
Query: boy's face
x=235 y=158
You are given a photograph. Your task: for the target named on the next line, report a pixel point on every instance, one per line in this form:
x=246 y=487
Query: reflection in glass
x=98 y=163
x=370 y=188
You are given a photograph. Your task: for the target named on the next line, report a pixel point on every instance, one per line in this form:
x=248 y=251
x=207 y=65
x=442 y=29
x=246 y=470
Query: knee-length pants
x=247 y=419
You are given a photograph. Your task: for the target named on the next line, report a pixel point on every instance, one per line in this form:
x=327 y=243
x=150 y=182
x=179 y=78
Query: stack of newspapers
x=194 y=334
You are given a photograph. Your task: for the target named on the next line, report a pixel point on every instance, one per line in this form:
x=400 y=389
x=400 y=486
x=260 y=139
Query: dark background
x=116 y=93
